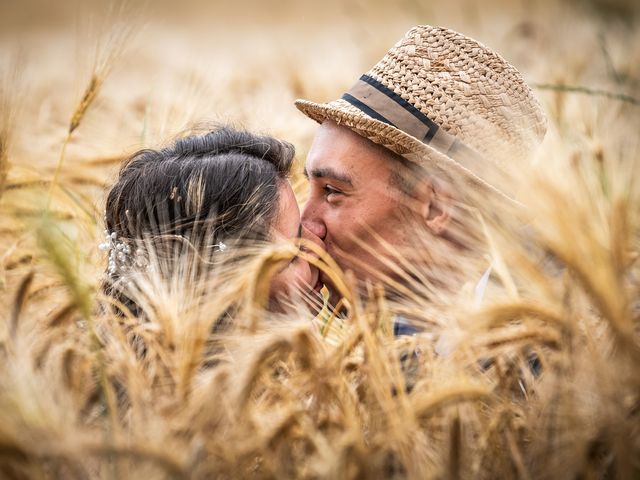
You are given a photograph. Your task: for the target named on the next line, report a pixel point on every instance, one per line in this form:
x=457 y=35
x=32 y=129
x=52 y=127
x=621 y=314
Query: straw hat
x=444 y=101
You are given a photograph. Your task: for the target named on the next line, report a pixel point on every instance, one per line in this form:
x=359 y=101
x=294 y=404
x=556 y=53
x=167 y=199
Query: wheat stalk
x=106 y=56
x=592 y=92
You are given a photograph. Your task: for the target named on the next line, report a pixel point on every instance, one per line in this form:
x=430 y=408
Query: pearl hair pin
x=119 y=252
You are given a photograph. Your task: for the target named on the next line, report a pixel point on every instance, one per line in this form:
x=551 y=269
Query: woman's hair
x=207 y=190
x=226 y=179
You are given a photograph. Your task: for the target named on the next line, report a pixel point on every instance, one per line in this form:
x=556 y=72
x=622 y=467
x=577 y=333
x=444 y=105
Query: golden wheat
x=540 y=379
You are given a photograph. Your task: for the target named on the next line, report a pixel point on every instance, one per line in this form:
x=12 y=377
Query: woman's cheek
x=304 y=274
x=295 y=278
x=284 y=281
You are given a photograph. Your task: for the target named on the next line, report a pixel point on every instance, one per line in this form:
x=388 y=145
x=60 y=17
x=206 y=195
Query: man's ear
x=436 y=205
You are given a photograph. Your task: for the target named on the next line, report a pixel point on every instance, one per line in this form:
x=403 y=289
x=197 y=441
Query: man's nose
x=312 y=222
x=309 y=235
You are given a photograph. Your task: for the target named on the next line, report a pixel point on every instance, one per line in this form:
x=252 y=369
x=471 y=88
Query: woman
x=216 y=193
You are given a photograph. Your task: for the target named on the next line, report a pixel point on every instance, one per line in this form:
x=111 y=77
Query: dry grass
x=10 y=97
x=107 y=52
x=540 y=381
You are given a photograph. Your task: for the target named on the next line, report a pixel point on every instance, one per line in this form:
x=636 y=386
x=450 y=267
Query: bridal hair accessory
x=120 y=258
x=119 y=252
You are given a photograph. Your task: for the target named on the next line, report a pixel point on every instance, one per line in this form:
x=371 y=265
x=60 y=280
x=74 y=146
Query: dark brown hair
x=204 y=189
x=228 y=177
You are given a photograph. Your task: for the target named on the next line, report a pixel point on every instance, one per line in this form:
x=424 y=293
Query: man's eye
x=329 y=190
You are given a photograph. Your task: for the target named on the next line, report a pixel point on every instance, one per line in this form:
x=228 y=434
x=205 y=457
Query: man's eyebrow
x=329 y=173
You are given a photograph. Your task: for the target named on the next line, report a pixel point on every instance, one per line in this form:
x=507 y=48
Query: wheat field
x=540 y=381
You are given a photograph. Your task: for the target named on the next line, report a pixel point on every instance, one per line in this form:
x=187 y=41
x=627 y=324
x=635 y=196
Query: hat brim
x=396 y=140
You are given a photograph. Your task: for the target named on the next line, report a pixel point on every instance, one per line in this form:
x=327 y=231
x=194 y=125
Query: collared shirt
x=447 y=343
x=402 y=326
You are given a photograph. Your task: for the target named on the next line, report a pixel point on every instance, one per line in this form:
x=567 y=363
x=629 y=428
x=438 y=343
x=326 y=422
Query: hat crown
x=468 y=90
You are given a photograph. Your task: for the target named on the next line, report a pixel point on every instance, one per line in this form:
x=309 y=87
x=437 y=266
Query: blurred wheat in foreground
x=543 y=383
x=540 y=381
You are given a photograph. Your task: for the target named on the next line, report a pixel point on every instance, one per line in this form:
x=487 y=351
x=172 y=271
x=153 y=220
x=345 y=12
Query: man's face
x=351 y=196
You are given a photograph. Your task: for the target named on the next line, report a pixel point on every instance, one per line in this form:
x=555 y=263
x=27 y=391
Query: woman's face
x=298 y=276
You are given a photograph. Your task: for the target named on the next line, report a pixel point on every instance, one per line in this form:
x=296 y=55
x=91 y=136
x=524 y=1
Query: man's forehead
x=329 y=162
x=340 y=135
x=331 y=152
x=340 y=152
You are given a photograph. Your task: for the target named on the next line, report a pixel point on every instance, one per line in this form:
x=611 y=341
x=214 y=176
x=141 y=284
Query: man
x=436 y=123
